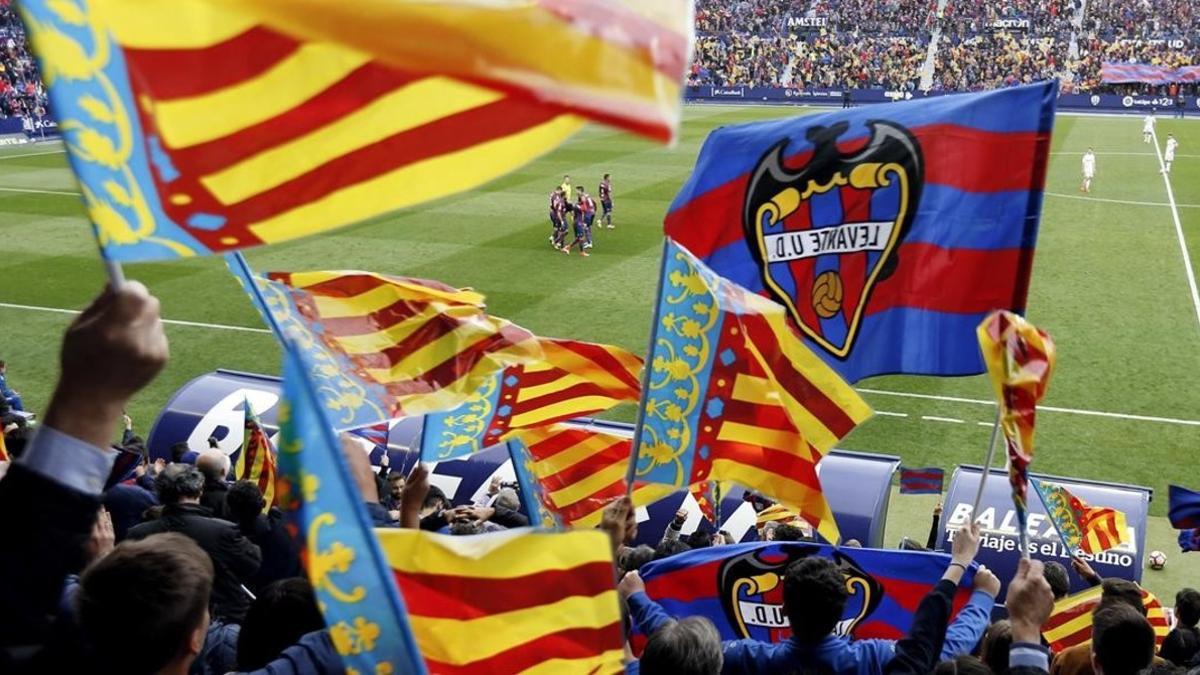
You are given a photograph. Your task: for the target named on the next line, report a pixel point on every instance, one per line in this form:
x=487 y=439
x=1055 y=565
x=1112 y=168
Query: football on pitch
x=1157 y=560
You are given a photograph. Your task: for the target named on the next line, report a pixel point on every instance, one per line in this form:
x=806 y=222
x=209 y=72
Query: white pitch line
x=890 y=414
x=40 y=192
x=1118 y=201
x=1187 y=258
x=984 y=424
x=53 y=152
x=1103 y=154
x=1047 y=408
x=173 y=322
x=934 y=418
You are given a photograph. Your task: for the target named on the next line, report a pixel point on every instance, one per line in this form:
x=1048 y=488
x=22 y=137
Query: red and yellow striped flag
x=1070 y=623
x=733 y=394
x=569 y=474
x=3 y=448
x=200 y=126
x=256 y=461
x=511 y=602
x=387 y=346
x=571 y=379
x=706 y=499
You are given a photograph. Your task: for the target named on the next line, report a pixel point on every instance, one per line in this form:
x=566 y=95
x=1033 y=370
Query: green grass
x=1108 y=283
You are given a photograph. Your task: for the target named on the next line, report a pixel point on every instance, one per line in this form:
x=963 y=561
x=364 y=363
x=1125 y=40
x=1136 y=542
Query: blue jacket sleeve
x=969 y=626
x=647 y=615
x=312 y=655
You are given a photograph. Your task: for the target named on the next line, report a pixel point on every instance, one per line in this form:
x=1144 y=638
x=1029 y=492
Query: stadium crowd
x=177 y=570
x=884 y=44
x=21 y=89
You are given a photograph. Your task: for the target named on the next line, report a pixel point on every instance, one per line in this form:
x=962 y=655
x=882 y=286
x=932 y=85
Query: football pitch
x=1109 y=283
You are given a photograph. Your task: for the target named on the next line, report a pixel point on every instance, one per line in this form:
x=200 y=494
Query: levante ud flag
x=889 y=232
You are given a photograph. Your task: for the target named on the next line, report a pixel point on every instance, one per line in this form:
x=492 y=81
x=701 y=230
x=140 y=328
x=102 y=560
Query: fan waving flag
x=569 y=474
x=256 y=461
x=572 y=379
x=927 y=481
x=1019 y=360
x=1070 y=623
x=200 y=126
x=383 y=346
x=510 y=602
x=733 y=394
x=888 y=232
x=1082 y=528
x=352 y=581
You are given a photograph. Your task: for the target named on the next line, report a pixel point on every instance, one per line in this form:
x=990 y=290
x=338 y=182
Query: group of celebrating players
x=582 y=214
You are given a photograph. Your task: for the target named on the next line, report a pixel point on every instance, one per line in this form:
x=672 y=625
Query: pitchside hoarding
x=997 y=519
x=858 y=485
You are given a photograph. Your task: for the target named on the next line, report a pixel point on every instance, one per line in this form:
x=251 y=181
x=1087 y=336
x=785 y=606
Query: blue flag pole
x=646 y=367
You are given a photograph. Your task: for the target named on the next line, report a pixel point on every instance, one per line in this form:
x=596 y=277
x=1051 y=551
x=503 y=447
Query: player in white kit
x=1148 y=123
x=1169 y=155
x=1089 y=170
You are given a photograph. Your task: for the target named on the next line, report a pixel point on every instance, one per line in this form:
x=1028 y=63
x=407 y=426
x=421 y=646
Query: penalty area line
x=169 y=322
x=1187 y=258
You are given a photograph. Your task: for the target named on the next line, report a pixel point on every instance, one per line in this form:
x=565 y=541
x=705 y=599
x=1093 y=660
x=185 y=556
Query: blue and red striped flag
x=888 y=232
x=740 y=588
x=1184 y=512
x=926 y=481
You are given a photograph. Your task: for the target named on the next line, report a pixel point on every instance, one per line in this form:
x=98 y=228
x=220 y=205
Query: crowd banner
x=858 y=485
x=1120 y=73
x=998 y=524
x=1139 y=103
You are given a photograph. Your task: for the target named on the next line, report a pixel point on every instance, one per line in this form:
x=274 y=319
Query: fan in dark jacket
x=280 y=556
x=215 y=466
x=235 y=558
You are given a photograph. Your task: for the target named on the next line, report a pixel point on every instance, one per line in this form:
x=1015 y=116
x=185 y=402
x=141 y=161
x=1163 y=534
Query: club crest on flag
x=823 y=235
x=752 y=592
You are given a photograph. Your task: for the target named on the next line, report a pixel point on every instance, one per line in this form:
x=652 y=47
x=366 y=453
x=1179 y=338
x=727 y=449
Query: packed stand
x=21 y=89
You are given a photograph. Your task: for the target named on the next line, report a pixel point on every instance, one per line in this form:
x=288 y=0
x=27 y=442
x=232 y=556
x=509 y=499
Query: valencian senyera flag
x=732 y=393
x=572 y=379
x=707 y=496
x=740 y=588
x=510 y=602
x=200 y=126
x=1082 y=528
x=568 y=474
x=382 y=346
x=353 y=583
x=1020 y=359
x=256 y=461
x=888 y=232
x=1070 y=623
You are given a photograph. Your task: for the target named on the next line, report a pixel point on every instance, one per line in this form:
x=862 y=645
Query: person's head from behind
x=700 y=539
x=1056 y=575
x=814 y=597
x=965 y=665
x=245 y=501
x=689 y=646
x=1122 y=640
x=667 y=549
x=156 y=588
x=1122 y=591
x=214 y=464
x=179 y=484
x=1187 y=607
x=281 y=614
x=996 y=642
x=509 y=499
x=178 y=450
x=632 y=559
x=605 y=176
x=789 y=532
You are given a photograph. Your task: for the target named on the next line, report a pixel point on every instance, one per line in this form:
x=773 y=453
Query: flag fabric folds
x=926 y=481
x=705 y=494
x=733 y=394
x=510 y=602
x=1070 y=623
x=740 y=588
x=572 y=379
x=889 y=232
x=1144 y=73
x=569 y=474
x=382 y=346
x=1082 y=527
x=256 y=461
x=351 y=579
x=201 y=126
x=1184 y=512
x=1019 y=360
x=1189 y=540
